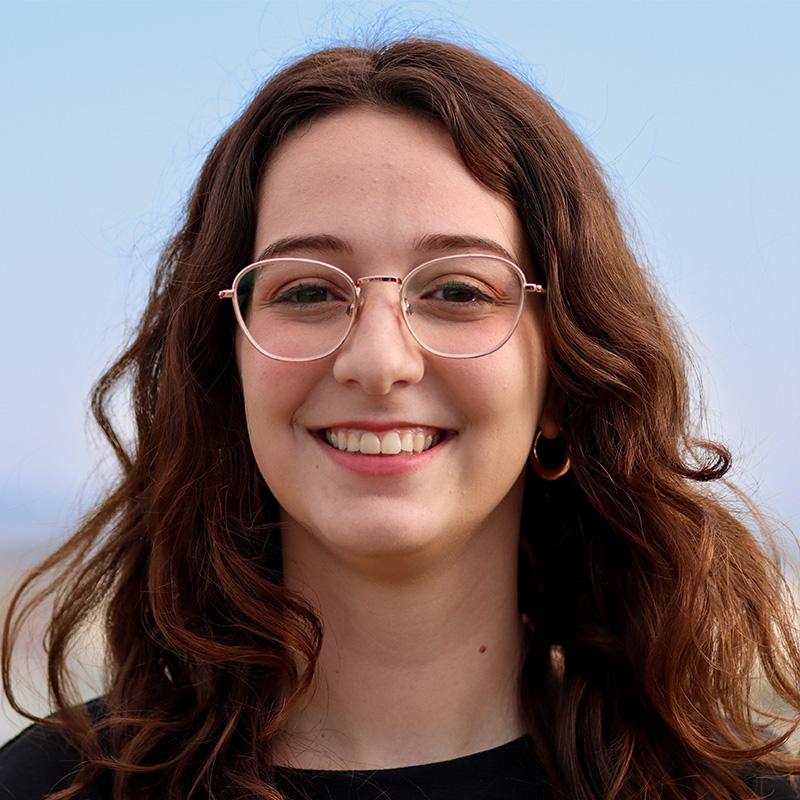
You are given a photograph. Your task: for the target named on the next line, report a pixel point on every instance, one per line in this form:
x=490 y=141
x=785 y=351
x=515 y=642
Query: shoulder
x=40 y=761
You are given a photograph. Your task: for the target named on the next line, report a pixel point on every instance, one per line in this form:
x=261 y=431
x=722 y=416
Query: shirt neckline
x=483 y=759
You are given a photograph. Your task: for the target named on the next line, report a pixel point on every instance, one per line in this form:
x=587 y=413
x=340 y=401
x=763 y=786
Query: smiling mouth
x=396 y=441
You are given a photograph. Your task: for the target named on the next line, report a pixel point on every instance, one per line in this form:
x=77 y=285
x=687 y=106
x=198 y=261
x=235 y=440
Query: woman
x=414 y=508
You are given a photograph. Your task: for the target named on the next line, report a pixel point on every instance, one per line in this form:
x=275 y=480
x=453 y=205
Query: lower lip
x=381 y=466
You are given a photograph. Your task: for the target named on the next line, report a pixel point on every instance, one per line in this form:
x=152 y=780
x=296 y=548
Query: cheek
x=509 y=385
x=532 y=372
x=273 y=393
x=502 y=401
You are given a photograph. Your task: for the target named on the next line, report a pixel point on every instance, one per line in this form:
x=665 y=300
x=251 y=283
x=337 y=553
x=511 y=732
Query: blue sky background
x=108 y=109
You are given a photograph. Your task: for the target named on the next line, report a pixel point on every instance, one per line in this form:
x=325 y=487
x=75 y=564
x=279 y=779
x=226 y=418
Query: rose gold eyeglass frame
x=525 y=288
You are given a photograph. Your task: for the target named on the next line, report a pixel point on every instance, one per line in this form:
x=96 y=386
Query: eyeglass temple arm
x=536 y=288
x=226 y=294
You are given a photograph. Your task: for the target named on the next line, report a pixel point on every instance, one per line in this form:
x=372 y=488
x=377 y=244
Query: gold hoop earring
x=546 y=469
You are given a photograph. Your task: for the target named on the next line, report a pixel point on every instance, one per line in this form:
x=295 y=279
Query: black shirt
x=38 y=761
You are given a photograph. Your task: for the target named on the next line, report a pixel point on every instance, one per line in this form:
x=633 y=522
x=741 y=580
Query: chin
x=381 y=539
x=369 y=540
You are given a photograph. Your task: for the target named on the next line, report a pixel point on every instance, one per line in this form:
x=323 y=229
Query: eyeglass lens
x=453 y=306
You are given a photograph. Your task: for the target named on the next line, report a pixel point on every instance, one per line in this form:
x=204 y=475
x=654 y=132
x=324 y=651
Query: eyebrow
x=447 y=242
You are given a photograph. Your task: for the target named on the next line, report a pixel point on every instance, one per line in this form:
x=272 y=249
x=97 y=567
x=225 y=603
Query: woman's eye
x=459 y=292
x=306 y=294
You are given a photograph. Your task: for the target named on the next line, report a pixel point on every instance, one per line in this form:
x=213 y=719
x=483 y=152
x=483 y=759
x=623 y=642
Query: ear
x=550 y=419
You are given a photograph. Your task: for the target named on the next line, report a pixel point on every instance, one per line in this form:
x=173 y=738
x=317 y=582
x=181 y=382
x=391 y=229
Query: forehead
x=379 y=180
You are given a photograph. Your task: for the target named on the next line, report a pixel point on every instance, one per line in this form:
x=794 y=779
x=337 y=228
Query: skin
x=414 y=575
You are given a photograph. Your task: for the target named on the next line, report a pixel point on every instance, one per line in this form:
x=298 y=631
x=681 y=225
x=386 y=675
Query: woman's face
x=377 y=184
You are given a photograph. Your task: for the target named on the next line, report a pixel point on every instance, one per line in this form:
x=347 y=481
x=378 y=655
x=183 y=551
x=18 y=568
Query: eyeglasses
x=298 y=309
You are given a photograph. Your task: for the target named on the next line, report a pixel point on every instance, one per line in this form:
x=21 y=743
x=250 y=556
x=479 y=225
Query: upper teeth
x=392 y=442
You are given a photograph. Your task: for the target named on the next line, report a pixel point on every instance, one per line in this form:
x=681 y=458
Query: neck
x=419 y=663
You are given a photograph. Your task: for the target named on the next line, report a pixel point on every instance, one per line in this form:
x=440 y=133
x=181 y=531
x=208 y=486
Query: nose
x=380 y=353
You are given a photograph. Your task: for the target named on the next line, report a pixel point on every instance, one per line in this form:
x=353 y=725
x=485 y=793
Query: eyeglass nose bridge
x=384 y=278
x=372 y=279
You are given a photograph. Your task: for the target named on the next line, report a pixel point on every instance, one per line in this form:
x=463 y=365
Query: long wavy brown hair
x=651 y=603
